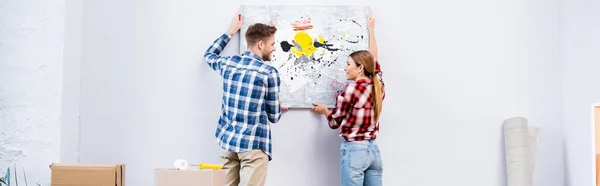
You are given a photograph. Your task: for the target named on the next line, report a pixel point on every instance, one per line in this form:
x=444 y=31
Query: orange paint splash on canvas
x=302 y=24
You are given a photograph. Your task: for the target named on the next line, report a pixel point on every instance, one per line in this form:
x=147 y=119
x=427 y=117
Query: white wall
x=460 y=68
x=580 y=58
x=71 y=97
x=31 y=41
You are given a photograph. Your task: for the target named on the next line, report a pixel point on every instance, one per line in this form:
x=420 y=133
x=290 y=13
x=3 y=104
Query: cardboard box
x=172 y=177
x=87 y=175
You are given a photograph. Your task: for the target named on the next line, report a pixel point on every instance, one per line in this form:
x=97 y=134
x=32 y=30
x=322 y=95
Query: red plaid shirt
x=354 y=110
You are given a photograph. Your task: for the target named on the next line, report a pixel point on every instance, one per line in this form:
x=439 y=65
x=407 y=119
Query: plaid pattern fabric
x=250 y=99
x=354 y=110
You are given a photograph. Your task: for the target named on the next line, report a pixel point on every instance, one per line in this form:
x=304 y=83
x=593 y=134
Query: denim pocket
x=359 y=159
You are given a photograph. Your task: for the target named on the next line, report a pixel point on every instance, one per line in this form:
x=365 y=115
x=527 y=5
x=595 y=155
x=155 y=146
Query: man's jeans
x=360 y=163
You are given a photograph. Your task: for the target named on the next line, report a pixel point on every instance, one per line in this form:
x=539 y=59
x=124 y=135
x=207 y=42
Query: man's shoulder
x=263 y=66
x=270 y=68
x=266 y=66
x=235 y=58
x=256 y=62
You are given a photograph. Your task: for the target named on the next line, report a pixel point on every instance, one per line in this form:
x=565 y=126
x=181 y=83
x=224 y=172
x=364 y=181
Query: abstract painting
x=312 y=47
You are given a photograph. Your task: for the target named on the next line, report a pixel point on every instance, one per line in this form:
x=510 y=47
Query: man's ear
x=260 y=44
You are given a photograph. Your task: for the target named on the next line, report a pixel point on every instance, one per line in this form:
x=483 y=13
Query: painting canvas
x=312 y=47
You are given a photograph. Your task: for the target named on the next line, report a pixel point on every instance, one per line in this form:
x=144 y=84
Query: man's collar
x=248 y=53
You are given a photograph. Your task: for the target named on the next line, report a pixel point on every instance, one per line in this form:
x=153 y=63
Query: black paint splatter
x=324 y=45
x=285 y=46
x=332 y=61
x=351 y=41
x=356 y=23
x=317 y=59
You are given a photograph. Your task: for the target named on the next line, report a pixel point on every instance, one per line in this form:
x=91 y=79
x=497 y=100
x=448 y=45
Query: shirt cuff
x=330 y=116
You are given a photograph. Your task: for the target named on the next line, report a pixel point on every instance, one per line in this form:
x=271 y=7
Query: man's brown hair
x=258 y=32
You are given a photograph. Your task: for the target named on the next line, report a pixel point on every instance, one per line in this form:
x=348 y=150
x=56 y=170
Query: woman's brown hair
x=366 y=59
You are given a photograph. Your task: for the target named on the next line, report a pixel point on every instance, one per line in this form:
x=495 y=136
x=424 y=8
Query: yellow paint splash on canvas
x=306 y=44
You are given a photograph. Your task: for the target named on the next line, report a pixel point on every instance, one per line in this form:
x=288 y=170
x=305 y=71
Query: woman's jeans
x=360 y=163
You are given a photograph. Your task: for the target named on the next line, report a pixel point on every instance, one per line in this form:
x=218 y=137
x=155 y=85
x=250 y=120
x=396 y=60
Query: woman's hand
x=370 y=19
x=283 y=108
x=372 y=40
x=321 y=109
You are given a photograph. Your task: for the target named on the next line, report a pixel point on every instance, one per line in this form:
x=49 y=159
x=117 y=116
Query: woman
x=357 y=112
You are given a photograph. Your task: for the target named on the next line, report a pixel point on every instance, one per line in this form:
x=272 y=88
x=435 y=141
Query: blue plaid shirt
x=250 y=98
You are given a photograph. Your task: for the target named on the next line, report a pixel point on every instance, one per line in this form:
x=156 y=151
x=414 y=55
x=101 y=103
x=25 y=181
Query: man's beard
x=266 y=57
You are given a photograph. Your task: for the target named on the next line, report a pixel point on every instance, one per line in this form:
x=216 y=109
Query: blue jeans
x=360 y=163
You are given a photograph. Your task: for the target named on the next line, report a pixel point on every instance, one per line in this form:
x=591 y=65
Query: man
x=250 y=98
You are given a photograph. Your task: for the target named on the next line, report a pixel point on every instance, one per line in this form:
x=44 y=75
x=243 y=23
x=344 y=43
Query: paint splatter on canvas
x=312 y=46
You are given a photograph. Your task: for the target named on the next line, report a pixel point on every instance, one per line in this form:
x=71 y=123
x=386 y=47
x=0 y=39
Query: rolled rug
x=520 y=143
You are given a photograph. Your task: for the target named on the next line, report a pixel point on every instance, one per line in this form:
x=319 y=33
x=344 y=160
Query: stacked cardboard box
x=87 y=175
x=114 y=175
x=172 y=177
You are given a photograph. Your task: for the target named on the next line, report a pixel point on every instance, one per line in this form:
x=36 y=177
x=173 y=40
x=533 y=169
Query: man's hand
x=321 y=109
x=236 y=24
x=283 y=108
x=370 y=19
